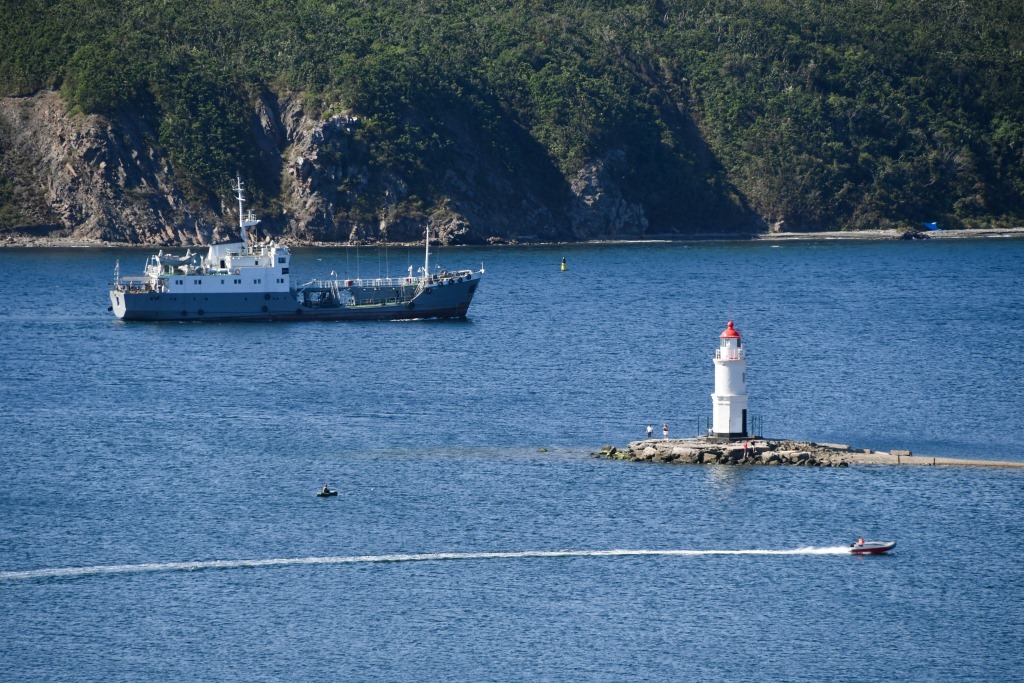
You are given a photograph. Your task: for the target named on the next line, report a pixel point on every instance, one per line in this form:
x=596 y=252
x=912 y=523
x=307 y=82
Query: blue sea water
x=158 y=522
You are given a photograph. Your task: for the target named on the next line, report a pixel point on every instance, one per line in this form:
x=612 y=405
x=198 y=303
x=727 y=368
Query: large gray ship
x=250 y=281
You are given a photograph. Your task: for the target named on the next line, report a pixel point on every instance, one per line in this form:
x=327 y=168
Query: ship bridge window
x=284 y=271
x=281 y=259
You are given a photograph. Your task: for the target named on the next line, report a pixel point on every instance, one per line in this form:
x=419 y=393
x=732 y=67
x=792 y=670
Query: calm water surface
x=129 y=449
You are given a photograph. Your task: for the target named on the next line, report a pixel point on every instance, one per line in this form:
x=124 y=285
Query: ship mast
x=426 y=257
x=244 y=221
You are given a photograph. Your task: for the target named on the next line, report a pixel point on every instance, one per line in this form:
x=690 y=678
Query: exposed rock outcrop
x=95 y=178
x=598 y=208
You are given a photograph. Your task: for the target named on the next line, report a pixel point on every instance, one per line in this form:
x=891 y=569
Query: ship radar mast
x=244 y=220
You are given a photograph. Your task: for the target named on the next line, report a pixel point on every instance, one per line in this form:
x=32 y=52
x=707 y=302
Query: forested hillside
x=695 y=115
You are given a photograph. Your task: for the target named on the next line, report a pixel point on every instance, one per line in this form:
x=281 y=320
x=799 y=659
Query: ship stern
x=118 y=303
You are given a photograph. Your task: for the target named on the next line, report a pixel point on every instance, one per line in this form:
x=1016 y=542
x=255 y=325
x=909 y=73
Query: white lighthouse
x=730 y=397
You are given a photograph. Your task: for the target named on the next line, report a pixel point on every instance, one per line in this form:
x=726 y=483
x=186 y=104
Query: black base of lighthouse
x=727 y=436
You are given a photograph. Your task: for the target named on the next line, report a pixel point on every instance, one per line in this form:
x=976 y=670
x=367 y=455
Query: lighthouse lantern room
x=730 y=397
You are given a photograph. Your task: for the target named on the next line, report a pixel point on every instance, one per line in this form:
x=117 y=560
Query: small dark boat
x=872 y=547
x=326 y=494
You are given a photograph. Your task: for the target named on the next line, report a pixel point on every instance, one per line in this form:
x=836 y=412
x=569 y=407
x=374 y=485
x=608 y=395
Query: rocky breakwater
x=700 y=451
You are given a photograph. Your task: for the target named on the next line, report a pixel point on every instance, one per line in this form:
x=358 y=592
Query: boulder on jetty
x=700 y=451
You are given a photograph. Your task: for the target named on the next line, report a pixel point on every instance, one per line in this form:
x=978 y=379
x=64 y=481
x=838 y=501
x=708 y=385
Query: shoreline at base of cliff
x=44 y=241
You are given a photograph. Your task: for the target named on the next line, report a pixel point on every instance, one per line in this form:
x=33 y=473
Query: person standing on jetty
x=664 y=430
x=650 y=431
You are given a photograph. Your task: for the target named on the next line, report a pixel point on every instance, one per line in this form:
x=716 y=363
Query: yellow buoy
x=564 y=265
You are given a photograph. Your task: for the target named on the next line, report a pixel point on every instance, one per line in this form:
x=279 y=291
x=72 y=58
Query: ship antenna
x=244 y=221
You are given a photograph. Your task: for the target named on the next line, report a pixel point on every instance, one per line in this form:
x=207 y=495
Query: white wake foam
x=74 y=572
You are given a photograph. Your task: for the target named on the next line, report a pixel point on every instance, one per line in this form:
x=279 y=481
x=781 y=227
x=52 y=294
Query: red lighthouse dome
x=730 y=332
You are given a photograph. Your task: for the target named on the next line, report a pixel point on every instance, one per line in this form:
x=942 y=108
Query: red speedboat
x=871 y=547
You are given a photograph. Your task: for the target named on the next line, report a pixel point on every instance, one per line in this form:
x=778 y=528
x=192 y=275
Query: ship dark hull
x=437 y=301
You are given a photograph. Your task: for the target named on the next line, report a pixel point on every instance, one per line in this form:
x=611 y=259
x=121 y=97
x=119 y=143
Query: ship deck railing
x=335 y=285
x=449 y=275
x=138 y=284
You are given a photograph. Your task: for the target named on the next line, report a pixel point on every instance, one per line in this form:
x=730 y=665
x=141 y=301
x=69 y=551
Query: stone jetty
x=775 y=452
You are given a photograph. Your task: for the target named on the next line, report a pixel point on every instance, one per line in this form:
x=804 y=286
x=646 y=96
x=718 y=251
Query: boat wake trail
x=147 y=568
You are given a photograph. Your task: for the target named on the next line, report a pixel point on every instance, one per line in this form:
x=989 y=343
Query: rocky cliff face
x=327 y=170
x=90 y=178
x=105 y=179
x=599 y=209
